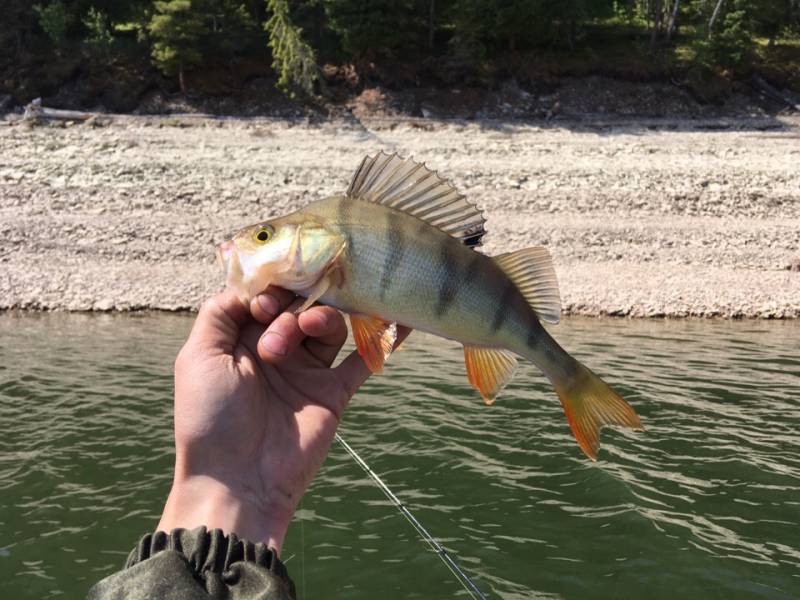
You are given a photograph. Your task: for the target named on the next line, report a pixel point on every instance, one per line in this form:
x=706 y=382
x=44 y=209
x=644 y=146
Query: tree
x=770 y=17
x=373 y=29
x=98 y=27
x=292 y=58
x=53 y=20
x=730 y=40
x=176 y=29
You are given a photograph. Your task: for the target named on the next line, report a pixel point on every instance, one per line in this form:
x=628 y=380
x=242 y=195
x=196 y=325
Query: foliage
x=176 y=30
x=292 y=58
x=729 y=41
x=97 y=24
x=732 y=45
x=53 y=20
x=456 y=39
x=378 y=28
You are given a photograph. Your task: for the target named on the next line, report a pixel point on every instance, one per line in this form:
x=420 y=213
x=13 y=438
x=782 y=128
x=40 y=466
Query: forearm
x=200 y=500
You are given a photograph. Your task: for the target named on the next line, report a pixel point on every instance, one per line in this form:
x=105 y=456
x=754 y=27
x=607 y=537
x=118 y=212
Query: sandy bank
x=645 y=219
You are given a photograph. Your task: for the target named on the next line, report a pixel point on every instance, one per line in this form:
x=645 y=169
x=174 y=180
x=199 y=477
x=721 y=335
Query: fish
x=399 y=247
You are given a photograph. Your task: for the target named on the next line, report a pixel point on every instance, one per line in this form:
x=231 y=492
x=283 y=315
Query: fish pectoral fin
x=332 y=278
x=590 y=403
x=489 y=369
x=531 y=270
x=314 y=294
x=374 y=338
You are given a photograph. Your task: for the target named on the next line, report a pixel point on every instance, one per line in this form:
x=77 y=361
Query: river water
x=704 y=504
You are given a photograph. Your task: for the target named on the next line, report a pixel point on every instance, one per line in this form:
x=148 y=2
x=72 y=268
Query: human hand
x=256 y=408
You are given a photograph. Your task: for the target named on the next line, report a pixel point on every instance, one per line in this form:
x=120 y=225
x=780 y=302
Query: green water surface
x=705 y=504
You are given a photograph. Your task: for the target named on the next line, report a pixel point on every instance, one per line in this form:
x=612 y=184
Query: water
x=705 y=504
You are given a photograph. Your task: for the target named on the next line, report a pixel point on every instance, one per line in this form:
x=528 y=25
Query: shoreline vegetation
x=651 y=145
x=661 y=217
x=419 y=57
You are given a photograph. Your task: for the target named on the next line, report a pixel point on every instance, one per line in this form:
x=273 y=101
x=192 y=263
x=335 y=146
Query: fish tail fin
x=589 y=404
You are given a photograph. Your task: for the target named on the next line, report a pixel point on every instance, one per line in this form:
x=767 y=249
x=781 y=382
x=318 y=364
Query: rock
x=133 y=212
x=103 y=304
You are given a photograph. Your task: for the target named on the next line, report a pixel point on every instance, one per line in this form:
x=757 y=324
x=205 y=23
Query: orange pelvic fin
x=375 y=339
x=489 y=369
x=589 y=404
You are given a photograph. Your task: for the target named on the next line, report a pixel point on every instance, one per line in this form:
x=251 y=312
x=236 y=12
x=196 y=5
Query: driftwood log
x=771 y=92
x=34 y=111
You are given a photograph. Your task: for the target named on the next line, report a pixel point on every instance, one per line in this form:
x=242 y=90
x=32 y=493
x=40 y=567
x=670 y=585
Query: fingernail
x=274 y=343
x=268 y=304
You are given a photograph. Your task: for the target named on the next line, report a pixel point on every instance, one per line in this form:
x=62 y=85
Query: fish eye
x=263 y=235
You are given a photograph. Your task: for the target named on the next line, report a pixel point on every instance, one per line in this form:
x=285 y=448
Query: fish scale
x=398 y=248
x=418 y=280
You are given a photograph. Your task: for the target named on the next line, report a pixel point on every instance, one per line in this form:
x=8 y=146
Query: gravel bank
x=663 y=218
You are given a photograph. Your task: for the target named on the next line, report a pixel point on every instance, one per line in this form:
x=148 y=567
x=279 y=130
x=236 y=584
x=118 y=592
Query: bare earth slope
x=641 y=221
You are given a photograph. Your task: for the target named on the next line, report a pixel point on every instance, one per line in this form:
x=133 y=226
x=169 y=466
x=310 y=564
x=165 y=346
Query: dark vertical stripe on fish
x=450 y=280
x=533 y=332
x=503 y=306
x=473 y=269
x=395 y=251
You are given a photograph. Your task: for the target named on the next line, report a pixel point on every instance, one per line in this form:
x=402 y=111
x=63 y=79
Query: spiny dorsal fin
x=531 y=270
x=489 y=369
x=411 y=187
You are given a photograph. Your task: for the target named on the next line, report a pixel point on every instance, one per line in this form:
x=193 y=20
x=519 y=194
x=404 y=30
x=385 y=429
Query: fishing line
x=434 y=544
x=303 y=550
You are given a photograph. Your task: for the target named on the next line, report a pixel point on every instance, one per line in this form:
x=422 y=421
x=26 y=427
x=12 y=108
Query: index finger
x=326 y=331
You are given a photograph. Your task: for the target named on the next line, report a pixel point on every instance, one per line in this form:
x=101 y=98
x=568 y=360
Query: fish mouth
x=245 y=284
x=228 y=259
x=224 y=252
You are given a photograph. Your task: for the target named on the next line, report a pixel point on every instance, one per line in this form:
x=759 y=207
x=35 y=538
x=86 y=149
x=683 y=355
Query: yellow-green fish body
x=401 y=269
x=397 y=248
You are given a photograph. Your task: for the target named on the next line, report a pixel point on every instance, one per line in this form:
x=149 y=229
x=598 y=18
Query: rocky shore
x=645 y=218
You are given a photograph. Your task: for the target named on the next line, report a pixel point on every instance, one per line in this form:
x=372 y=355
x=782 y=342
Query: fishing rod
x=464 y=579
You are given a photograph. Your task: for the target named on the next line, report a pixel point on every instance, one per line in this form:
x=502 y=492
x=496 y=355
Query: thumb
x=220 y=321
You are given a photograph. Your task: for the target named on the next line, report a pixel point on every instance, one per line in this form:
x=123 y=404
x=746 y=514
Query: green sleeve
x=198 y=564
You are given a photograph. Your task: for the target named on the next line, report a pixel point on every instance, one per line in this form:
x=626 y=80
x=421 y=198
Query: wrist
x=202 y=500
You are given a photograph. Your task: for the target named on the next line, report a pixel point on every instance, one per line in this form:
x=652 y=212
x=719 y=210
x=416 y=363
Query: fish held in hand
x=399 y=248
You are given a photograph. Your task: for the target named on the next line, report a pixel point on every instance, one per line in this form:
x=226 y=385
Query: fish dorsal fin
x=531 y=270
x=489 y=369
x=411 y=187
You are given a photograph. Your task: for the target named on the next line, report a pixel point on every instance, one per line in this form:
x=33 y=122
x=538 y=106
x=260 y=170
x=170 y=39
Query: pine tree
x=292 y=58
x=176 y=29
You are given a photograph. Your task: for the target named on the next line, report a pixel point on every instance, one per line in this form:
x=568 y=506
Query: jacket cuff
x=213 y=556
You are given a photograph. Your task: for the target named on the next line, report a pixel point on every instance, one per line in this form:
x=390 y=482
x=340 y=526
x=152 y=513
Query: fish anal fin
x=374 y=339
x=531 y=270
x=489 y=369
x=409 y=186
x=589 y=404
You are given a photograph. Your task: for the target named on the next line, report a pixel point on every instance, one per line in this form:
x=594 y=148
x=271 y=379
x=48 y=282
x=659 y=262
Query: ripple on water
x=704 y=504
